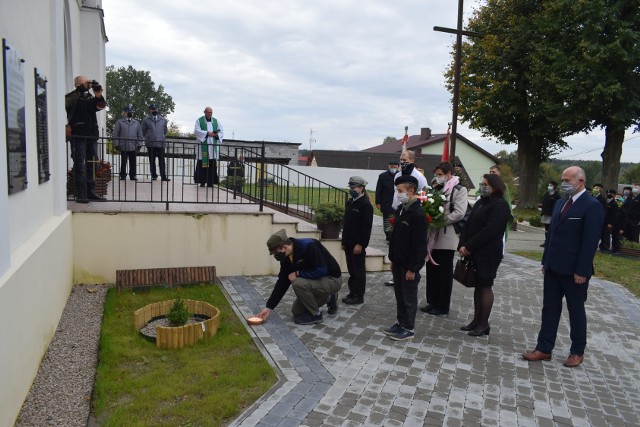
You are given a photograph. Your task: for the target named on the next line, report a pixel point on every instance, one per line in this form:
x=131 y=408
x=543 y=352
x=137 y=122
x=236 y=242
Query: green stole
x=204 y=147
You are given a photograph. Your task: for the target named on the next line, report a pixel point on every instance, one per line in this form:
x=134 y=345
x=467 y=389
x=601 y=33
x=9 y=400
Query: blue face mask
x=354 y=193
x=393 y=170
x=567 y=189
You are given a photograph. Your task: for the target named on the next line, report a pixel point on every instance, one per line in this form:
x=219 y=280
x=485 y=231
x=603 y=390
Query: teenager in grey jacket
x=154 y=129
x=127 y=137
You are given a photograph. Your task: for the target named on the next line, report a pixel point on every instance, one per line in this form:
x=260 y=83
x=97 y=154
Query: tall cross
x=459 y=32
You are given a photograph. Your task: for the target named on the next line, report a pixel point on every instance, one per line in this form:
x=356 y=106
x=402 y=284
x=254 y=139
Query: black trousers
x=157 y=153
x=631 y=232
x=127 y=156
x=208 y=175
x=557 y=287
x=605 y=239
x=84 y=154
x=440 y=279
x=406 y=292
x=357 y=273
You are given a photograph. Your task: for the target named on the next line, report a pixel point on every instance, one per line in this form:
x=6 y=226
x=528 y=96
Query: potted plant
x=629 y=248
x=329 y=217
x=102 y=178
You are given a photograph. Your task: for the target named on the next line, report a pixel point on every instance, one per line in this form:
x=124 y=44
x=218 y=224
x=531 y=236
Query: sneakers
x=393 y=329
x=403 y=335
x=308 y=319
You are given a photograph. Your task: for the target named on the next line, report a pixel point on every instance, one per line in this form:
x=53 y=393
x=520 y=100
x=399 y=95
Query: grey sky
x=354 y=72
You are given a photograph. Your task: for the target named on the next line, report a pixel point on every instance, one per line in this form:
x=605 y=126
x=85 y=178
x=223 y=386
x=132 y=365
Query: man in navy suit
x=567 y=265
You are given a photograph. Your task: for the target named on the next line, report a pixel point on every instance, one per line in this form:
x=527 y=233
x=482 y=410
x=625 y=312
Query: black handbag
x=465 y=273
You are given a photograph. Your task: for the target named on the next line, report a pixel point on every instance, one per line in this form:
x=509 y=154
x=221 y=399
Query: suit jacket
x=573 y=240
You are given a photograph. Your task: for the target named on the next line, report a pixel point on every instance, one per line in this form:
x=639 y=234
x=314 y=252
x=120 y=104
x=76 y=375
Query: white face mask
x=393 y=170
x=403 y=197
x=441 y=179
x=550 y=188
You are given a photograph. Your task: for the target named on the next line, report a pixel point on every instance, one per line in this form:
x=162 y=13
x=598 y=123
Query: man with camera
x=81 y=107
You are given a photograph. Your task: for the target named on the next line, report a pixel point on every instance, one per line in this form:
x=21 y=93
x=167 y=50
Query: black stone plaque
x=42 y=127
x=15 y=118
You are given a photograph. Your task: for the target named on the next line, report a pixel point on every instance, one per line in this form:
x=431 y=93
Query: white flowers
x=441 y=209
x=443 y=197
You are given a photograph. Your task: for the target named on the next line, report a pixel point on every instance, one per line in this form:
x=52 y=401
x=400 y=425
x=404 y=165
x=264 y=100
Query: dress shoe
x=354 y=300
x=388 y=283
x=122 y=178
x=438 y=312
x=471 y=326
x=347 y=298
x=573 y=360
x=332 y=304
x=426 y=308
x=95 y=197
x=201 y=185
x=154 y=178
x=82 y=200
x=166 y=179
x=536 y=356
x=479 y=332
x=134 y=179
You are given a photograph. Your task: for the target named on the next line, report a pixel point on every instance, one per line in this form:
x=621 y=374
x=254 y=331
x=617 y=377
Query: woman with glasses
x=482 y=242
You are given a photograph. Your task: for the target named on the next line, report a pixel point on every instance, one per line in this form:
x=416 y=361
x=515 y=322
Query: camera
x=95 y=85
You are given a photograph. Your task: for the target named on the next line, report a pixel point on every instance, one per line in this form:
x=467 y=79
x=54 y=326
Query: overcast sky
x=353 y=71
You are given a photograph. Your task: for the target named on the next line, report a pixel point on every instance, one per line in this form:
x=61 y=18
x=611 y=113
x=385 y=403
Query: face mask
x=280 y=256
x=403 y=165
x=393 y=170
x=550 y=189
x=485 y=191
x=403 y=197
x=441 y=179
x=129 y=115
x=155 y=113
x=635 y=190
x=626 y=193
x=595 y=192
x=353 y=194
x=567 y=188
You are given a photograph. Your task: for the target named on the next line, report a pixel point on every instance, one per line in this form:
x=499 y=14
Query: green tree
x=173 y=129
x=587 y=67
x=130 y=86
x=631 y=175
x=389 y=139
x=497 y=93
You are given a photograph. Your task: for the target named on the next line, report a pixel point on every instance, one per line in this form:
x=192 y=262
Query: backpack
x=459 y=226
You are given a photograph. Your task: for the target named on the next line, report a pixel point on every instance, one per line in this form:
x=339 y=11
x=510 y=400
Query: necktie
x=566 y=207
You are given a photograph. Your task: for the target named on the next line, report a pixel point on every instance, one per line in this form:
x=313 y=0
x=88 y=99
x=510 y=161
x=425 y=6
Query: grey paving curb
x=303 y=379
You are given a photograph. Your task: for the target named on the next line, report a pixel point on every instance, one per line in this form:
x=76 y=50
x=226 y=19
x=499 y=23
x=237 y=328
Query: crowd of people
x=577 y=222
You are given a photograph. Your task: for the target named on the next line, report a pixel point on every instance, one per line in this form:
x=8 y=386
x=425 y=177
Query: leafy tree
x=510 y=159
x=631 y=175
x=589 y=61
x=130 y=86
x=497 y=95
x=388 y=139
x=173 y=129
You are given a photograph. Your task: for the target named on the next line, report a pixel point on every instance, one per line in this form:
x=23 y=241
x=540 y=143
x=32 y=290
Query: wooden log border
x=179 y=336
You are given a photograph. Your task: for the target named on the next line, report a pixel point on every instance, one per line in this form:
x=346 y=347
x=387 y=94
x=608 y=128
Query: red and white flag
x=445 y=150
x=405 y=139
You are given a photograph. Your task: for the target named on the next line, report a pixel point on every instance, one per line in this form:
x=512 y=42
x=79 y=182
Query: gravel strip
x=61 y=393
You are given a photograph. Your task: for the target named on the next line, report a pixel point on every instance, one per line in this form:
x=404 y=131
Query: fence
x=245 y=175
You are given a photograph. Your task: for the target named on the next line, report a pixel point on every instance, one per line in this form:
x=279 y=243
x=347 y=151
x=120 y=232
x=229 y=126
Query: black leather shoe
x=354 y=300
x=166 y=179
x=83 y=201
x=332 y=304
x=438 y=312
x=426 y=308
x=347 y=298
x=388 y=283
x=469 y=327
x=479 y=333
x=154 y=178
x=96 y=198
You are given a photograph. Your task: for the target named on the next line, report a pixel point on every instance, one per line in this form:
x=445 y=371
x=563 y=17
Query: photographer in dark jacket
x=482 y=241
x=356 y=232
x=81 y=107
x=312 y=271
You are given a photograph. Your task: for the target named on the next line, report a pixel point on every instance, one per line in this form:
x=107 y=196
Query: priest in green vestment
x=209 y=134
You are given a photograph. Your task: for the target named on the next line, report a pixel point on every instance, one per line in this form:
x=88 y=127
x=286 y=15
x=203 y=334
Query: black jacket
x=408 y=244
x=384 y=192
x=483 y=234
x=611 y=212
x=548 y=202
x=632 y=209
x=358 y=218
x=311 y=260
x=81 y=109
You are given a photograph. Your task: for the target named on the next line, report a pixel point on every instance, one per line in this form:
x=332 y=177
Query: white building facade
x=57 y=39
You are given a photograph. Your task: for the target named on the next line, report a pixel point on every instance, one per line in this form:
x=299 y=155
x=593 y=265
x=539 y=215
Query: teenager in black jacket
x=356 y=232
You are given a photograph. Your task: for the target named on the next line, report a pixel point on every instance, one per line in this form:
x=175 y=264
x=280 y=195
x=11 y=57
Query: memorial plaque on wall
x=42 y=127
x=15 y=118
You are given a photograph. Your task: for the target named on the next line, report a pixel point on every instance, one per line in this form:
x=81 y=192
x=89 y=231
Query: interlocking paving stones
x=346 y=372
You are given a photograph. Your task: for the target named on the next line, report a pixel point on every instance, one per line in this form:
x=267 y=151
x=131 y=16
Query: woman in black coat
x=481 y=241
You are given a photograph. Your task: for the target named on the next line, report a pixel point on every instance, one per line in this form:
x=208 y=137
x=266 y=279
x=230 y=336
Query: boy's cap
x=357 y=181
x=276 y=240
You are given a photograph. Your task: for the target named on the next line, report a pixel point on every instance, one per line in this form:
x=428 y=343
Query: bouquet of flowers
x=433 y=206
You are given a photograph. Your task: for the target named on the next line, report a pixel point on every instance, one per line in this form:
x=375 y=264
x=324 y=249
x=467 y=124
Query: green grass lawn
x=625 y=271
x=209 y=384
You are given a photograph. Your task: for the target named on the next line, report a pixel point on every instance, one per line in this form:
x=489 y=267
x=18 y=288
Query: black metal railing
x=246 y=174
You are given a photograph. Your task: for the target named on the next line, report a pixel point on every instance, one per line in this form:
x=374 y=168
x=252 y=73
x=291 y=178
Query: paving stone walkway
x=346 y=372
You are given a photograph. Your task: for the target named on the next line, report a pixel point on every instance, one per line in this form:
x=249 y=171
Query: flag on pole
x=445 y=150
x=405 y=139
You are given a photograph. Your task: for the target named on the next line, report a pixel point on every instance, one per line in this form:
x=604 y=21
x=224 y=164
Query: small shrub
x=535 y=221
x=629 y=244
x=520 y=219
x=329 y=213
x=178 y=315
